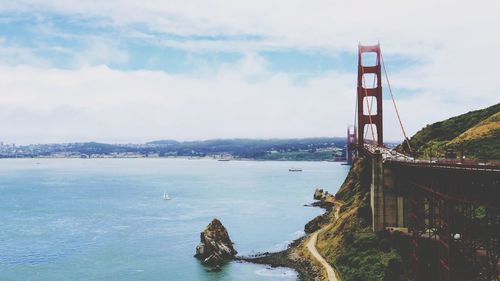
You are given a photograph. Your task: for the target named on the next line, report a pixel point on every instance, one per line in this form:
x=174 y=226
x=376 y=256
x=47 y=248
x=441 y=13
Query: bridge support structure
x=449 y=212
x=451 y=216
x=388 y=207
x=364 y=93
x=377 y=193
x=351 y=145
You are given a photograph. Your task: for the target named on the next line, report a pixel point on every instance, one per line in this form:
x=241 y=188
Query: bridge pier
x=388 y=209
x=377 y=193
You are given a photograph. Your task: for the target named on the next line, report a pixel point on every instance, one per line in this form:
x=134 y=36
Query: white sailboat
x=165 y=196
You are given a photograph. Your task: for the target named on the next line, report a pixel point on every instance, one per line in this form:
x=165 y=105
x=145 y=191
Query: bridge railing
x=390 y=155
x=447 y=165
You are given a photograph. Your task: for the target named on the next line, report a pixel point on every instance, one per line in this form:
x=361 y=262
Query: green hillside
x=477 y=132
x=349 y=243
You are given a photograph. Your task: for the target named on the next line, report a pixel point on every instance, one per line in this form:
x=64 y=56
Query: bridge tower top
x=366 y=96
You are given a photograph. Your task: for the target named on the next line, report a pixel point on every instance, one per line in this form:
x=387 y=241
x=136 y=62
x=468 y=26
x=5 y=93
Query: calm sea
x=105 y=219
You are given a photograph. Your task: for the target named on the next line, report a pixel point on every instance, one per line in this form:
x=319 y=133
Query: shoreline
x=292 y=257
x=178 y=157
x=288 y=259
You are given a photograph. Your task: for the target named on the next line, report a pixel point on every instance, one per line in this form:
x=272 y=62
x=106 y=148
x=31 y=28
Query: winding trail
x=311 y=246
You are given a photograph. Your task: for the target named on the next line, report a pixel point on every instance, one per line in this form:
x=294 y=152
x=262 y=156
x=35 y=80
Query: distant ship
x=295 y=170
x=165 y=196
x=224 y=159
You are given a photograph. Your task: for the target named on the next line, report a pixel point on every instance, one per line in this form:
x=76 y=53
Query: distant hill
x=311 y=149
x=477 y=132
x=261 y=149
x=163 y=142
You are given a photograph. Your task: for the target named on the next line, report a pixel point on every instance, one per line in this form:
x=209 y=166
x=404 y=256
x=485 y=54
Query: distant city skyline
x=2 y=143
x=133 y=72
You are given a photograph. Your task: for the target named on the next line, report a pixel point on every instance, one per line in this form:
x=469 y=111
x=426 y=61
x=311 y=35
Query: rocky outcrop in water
x=215 y=247
x=320 y=194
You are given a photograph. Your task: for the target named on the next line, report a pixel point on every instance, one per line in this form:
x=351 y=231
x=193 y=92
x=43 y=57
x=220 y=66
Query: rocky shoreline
x=288 y=258
x=292 y=257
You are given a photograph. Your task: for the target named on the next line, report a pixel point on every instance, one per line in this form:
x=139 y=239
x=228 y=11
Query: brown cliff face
x=215 y=247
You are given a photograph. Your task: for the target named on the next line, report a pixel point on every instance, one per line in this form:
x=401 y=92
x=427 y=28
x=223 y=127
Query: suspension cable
x=394 y=103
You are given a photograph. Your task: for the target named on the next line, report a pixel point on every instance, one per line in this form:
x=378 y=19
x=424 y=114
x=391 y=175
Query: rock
x=315 y=224
x=215 y=247
x=327 y=205
x=318 y=194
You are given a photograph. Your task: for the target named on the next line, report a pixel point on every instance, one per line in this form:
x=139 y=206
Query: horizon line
x=183 y=141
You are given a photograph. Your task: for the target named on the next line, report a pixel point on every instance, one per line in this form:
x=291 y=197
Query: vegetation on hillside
x=350 y=244
x=262 y=149
x=477 y=133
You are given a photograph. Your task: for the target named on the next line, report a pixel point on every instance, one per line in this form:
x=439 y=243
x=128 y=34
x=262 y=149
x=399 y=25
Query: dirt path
x=311 y=246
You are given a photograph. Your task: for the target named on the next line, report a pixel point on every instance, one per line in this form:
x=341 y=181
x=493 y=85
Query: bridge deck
x=392 y=156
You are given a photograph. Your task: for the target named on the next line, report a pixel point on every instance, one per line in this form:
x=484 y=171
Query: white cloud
x=101 y=51
x=452 y=42
x=15 y=54
x=403 y=25
x=98 y=103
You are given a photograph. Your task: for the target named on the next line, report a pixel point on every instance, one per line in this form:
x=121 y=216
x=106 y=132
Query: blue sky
x=128 y=71
x=59 y=39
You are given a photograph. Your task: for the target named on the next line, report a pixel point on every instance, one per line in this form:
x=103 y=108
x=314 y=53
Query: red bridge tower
x=373 y=119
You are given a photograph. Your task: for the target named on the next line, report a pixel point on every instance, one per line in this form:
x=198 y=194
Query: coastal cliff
x=215 y=247
x=344 y=233
x=345 y=238
x=348 y=243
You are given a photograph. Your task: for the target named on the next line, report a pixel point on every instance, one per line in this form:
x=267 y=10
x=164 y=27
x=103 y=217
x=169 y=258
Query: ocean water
x=105 y=219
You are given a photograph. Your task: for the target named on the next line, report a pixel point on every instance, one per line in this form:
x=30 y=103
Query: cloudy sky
x=134 y=71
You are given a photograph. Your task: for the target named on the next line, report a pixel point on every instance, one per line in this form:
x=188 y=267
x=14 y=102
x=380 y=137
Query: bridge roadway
x=471 y=182
x=391 y=155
